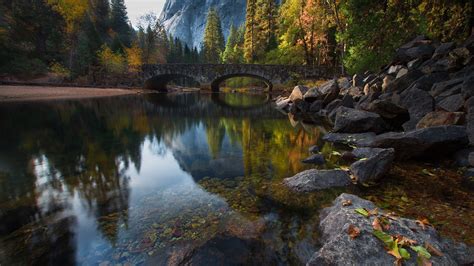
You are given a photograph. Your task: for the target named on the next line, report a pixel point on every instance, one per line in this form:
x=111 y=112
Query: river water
x=187 y=178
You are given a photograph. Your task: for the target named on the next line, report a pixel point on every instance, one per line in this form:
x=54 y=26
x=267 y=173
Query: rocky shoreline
x=419 y=107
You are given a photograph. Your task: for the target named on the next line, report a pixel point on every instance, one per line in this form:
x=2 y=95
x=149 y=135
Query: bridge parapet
x=211 y=75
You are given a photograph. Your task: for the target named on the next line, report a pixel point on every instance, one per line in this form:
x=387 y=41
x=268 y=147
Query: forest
x=94 y=39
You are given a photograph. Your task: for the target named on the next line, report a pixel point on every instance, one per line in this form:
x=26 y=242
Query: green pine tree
x=213 y=44
x=119 y=24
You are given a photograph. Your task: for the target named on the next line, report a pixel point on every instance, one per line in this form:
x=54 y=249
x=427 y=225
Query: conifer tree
x=213 y=45
x=119 y=23
x=233 y=49
x=250 y=31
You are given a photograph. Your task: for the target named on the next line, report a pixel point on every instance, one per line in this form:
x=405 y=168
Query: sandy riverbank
x=36 y=93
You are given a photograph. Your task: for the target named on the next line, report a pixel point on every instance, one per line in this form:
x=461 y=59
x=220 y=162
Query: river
x=185 y=178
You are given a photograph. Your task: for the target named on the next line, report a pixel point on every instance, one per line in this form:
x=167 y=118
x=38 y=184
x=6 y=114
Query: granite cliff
x=186 y=19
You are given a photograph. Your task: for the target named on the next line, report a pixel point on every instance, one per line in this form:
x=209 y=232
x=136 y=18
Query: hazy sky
x=137 y=8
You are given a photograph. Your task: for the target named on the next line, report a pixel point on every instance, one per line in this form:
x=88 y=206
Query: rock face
x=186 y=19
x=340 y=249
x=373 y=164
x=312 y=180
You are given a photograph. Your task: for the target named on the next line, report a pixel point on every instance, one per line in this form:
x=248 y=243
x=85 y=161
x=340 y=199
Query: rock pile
x=421 y=105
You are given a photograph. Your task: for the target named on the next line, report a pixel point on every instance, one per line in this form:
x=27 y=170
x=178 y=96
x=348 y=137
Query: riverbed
x=183 y=178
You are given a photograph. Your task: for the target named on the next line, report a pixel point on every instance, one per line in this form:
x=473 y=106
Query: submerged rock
x=313 y=149
x=350 y=120
x=313 y=179
x=314 y=159
x=428 y=142
x=358 y=139
x=365 y=249
x=373 y=164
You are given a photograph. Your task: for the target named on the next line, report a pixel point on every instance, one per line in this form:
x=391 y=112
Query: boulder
x=401 y=73
x=469 y=106
x=339 y=248
x=400 y=84
x=423 y=51
x=360 y=139
x=452 y=103
x=372 y=165
x=329 y=87
x=418 y=103
x=354 y=91
x=298 y=93
x=468 y=180
x=282 y=103
x=313 y=179
x=415 y=63
x=313 y=149
x=441 y=87
x=386 y=82
x=443 y=50
x=468 y=87
x=347 y=101
x=426 y=142
x=471 y=159
x=316 y=106
x=312 y=94
x=440 y=118
x=349 y=120
x=365 y=100
x=388 y=110
x=357 y=80
x=445 y=64
x=426 y=82
x=393 y=70
x=317 y=159
x=461 y=157
x=333 y=105
x=344 y=83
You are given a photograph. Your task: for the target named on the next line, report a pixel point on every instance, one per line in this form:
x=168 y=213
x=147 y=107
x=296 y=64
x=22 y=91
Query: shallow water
x=190 y=178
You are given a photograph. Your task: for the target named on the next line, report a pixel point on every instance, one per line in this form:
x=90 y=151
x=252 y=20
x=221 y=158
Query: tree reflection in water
x=56 y=154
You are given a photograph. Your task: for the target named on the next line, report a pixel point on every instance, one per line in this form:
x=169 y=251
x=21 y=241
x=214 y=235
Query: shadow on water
x=158 y=179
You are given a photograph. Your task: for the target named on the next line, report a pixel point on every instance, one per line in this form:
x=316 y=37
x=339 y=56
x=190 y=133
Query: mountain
x=186 y=19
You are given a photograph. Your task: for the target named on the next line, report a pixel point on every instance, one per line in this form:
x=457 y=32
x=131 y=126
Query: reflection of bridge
x=209 y=76
x=208 y=105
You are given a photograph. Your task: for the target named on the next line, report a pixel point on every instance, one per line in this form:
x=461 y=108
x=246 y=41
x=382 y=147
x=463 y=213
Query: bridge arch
x=160 y=82
x=215 y=84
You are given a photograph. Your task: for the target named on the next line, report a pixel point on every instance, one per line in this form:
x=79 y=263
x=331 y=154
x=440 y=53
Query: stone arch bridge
x=210 y=76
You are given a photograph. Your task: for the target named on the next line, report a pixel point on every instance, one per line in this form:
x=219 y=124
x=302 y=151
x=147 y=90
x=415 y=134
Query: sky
x=137 y=8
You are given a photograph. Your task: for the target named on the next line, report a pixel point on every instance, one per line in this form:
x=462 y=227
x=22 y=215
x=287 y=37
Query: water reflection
x=150 y=179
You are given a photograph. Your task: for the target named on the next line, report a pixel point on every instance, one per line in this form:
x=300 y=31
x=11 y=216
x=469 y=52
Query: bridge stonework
x=209 y=76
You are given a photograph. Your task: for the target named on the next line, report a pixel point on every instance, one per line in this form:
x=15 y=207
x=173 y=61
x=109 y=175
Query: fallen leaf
x=391 y=215
x=421 y=251
x=433 y=250
x=353 y=231
x=404 y=253
x=422 y=261
x=346 y=203
x=384 y=237
x=374 y=212
x=423 y=223
x=426 y=172
x=362 y=211
x=405 y=241
x=394 y=251
x=376 y=224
